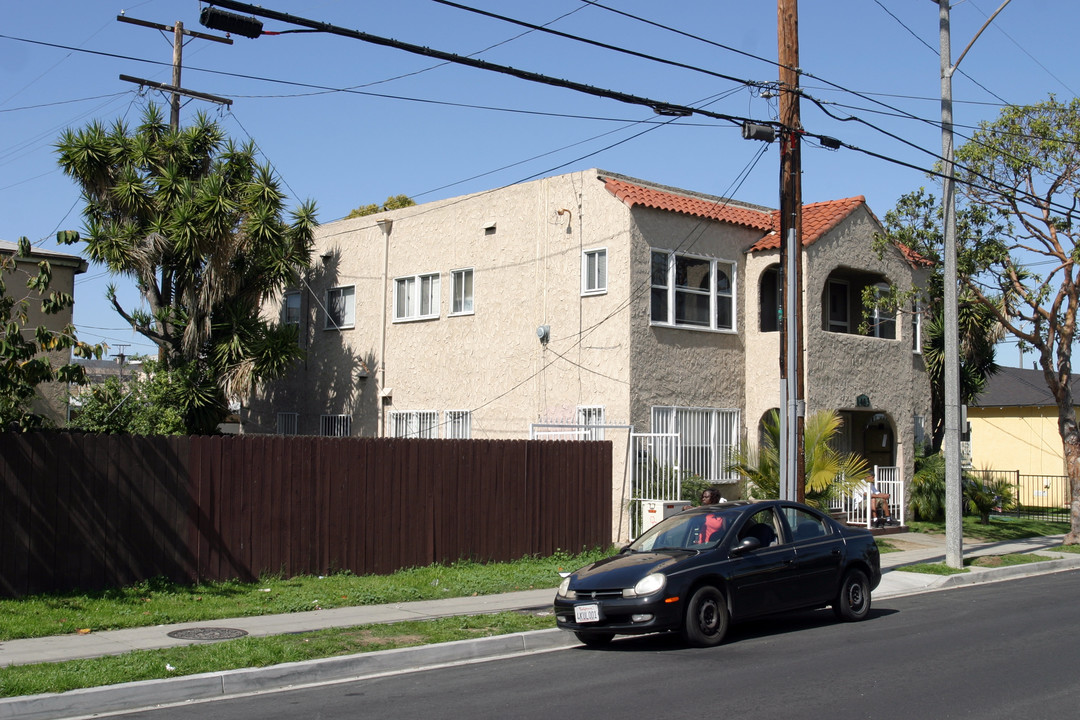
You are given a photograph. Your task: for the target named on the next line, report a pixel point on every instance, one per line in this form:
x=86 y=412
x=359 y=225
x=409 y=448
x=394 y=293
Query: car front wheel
x=853 y=601
x=706 y=620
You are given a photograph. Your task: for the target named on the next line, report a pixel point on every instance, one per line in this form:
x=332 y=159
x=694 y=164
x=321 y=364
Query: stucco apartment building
x=51 y=401
x=595 y=305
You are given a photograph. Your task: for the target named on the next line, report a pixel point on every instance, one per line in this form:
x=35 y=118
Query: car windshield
x=686 y=531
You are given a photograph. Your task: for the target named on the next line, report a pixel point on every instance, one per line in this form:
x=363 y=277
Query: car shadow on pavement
x=772 y=626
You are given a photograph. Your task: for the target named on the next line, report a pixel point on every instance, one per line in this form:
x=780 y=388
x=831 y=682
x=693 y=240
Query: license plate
x=587 y=613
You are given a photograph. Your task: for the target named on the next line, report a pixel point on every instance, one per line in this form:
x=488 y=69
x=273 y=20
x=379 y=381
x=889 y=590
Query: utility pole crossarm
x=171 y=28
x=178 y=90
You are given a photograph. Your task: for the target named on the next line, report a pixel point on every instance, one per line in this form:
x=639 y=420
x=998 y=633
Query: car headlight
x=647 y=585
x=564 y=589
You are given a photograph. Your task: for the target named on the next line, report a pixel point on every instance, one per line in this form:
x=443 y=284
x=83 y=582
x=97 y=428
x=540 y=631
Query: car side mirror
x=747 y=545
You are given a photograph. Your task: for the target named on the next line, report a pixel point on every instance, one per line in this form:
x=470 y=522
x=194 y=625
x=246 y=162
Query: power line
x=606 y=46
x=659 y=106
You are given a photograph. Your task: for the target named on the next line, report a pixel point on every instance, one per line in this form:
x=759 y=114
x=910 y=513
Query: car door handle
x=836 y=552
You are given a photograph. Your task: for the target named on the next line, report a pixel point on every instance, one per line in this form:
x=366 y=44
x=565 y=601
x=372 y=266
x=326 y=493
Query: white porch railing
x=859 y=506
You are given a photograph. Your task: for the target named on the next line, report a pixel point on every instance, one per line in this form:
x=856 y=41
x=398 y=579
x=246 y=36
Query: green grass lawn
x=1000 y=528
x=159 y=602
x=981 y=561
x=256 y=652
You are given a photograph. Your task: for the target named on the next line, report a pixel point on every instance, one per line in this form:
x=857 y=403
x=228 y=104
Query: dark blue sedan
x=697 y=571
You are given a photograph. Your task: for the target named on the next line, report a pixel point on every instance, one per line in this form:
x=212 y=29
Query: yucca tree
x=200 y=227
x=829 y=473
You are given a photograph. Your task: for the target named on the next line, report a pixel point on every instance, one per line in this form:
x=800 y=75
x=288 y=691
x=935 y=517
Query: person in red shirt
x=714 y=522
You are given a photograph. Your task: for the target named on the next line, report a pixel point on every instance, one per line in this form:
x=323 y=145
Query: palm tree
x=829 y=473
x=928 y=487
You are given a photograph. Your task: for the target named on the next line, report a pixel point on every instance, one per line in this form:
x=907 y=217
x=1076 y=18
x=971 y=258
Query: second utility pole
x=792 y=460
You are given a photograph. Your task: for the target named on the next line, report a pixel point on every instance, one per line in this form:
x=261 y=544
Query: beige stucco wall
x=840 y=367
x=526 y=258
x=1023 y=439
x=844 y=366
x=524 y=244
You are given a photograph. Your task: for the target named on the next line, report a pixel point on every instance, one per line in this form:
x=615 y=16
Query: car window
x=804 y=525
x=687 y=531
x=763 y=526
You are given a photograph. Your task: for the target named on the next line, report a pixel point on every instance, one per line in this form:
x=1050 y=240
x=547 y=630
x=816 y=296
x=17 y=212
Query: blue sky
x=348 y=123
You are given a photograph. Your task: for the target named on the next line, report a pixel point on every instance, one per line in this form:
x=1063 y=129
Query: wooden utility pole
x=175 y=91
x=793 y=466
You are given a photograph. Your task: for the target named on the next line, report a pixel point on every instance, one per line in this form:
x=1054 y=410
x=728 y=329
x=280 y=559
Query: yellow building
x=1014 y=429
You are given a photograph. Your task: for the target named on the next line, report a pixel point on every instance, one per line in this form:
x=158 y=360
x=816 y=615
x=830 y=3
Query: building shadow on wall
x=334 y=381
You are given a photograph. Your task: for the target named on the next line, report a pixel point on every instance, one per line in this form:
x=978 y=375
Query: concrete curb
x=152 y=693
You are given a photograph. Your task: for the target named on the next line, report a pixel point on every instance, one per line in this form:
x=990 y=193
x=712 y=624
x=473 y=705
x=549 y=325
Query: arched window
x=769 y=300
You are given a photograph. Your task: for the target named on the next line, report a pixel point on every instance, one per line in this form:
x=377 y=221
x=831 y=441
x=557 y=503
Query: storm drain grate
x=207 y=633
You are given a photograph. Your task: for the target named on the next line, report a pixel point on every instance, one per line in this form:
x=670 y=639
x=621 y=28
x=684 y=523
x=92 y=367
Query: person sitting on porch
x=880 y=501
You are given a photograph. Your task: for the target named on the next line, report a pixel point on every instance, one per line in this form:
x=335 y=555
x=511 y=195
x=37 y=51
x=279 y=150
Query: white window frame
x=708 y=439
x=287 y=423
x=459 y=424
x=461 y=291
x=881 y=319
x=717 y=295
x=335 y=425
x=916 y=327
x=348 y=318
x=414 y=424
x=416 y=297
x=594 y=271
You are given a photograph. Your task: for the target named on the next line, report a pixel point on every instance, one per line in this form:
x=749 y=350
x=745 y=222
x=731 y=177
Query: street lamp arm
x=972 y=42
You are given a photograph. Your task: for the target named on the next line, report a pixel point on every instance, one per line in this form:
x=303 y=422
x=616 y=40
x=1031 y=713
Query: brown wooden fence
x=97 y=511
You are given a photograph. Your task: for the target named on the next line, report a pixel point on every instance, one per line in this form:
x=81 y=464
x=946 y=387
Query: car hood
x=624 y=570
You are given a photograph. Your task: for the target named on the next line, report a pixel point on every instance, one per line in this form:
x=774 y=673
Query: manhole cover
x=207 y=633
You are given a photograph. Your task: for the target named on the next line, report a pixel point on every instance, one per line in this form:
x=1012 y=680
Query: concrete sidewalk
x=914 y=548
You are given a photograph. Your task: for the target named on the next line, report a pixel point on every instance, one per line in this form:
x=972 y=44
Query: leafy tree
x=829 y=474
x=151 y=402
x=1024 y=168
x=916 y=222
x=200 y=226
x=23 y=362
x=394 y=202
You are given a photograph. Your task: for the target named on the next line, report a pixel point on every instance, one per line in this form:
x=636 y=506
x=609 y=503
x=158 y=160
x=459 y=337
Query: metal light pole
x=954 y=522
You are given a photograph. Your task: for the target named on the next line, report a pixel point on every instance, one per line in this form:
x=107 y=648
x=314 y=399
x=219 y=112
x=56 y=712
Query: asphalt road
x=1000 y=650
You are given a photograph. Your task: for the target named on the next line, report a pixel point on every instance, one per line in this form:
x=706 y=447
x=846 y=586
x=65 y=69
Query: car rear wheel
x=853 y=601
x=706 y=620
x=594 y=640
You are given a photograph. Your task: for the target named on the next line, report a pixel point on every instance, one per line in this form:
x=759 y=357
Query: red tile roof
x=818 y=218
x=723 y=211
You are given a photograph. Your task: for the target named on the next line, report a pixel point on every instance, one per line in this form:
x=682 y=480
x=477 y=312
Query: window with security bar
x=458 y=424
x=335 y=425
x=414 y=424
x=708 y=439
x=590 y=416
x=286 y=423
